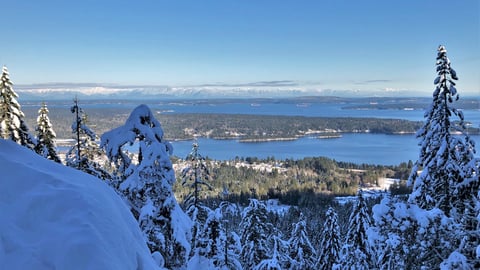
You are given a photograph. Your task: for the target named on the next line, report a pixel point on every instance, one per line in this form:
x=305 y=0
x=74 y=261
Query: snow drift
x=55 y=217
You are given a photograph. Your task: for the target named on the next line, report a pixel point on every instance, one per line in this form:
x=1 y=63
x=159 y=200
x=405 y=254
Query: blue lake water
x=269 y=108
x=310 y=110
x=357 y=148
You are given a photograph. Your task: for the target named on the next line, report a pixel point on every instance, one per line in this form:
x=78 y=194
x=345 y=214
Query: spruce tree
x=255 y=231
x=329 y=252
x=146 y=182
x=12 y=123
x=356 y=252
x=46 y=146
x=301 y=250
x=444 y=156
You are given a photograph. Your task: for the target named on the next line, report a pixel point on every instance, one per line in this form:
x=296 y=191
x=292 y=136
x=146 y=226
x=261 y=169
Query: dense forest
x=294 y=182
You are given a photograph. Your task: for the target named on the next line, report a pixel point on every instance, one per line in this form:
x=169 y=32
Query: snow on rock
x=55 y=217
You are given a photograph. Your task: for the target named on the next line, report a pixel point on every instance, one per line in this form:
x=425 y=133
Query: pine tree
x=12 y=124
x=443 y=156
x=85 y=152
x=146 y=181
x=255 y=230
x=46 y=146
x=301 y=250
x=329 y=252
x=356 y=252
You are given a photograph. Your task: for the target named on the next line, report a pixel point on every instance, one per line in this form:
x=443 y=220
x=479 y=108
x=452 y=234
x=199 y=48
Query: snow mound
x=55 y=217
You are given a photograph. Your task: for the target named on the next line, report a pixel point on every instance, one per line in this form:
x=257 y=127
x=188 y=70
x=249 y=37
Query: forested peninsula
x=230 y=126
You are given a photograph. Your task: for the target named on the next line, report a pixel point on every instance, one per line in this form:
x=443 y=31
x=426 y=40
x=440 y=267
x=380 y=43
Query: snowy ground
x=273 y=205
x=55 y=217
x=369 y=192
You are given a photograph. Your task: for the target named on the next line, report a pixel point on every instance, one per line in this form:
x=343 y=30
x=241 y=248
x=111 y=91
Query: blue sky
x=344 y=45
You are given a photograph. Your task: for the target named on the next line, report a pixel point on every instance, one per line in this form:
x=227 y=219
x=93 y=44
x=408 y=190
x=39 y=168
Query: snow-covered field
x=55 y=217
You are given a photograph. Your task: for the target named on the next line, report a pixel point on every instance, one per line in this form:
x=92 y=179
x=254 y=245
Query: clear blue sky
x=328 y=44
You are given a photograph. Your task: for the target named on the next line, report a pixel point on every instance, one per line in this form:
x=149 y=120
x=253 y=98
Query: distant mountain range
x=62 y=91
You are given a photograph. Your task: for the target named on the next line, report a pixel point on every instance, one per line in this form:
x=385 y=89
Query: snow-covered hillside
x=55 y=217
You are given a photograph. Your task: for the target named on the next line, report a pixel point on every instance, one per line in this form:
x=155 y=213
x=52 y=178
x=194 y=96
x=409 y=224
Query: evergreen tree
x=449 y=178
x=196 y=175
x=46 y=146
x=356 y=252
x=85 y=152
x=12 y=124
x=329 y=252
x=146 y=181
x=255 y=230
x=277 y=260
x=221 y=247
x=397 y=235
x=444 y=156
x=469 y=232
x=301 y=250
x=232 y=245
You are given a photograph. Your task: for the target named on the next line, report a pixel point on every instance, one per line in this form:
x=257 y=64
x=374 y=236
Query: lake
x=292 y=109
x=357 y=148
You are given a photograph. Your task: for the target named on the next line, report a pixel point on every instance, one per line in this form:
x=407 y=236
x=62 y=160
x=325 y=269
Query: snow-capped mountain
x=61 y=91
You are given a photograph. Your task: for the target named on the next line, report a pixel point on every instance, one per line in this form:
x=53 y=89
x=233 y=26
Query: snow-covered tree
x=301 y=250
x=46 y=146
x=146 y=181
x=12 y=124
x=469 y=232
x=449 y=179
x=255 y=231
x=356 y=252
x=84 y=154
x=409 y=237
x=396 y=230
x=444 y=157
x=196 y=176
x=220 y=247
x=277 y=260
x=329 y=252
